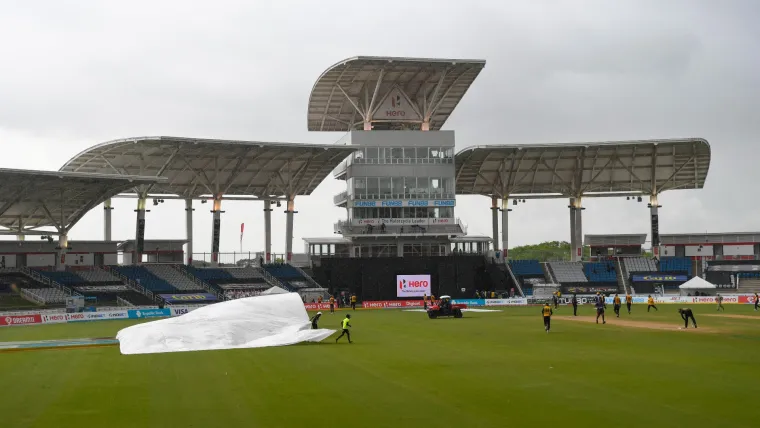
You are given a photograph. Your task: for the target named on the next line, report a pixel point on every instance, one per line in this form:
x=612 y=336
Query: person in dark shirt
x=687 y=314
x=315 y=320
x=547 y=312
x=600 y=309
x=574 y=301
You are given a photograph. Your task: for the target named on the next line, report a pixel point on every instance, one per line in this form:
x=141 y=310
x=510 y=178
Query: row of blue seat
x=145 y=278
x=600 y=271
x=526 y=267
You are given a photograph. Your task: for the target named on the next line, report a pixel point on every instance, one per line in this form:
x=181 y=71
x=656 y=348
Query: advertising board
x=188 y=298
x=316 y=306
x=413 y=285
x=470 y=302
x=148 y=313
x=519 y=301
x=659 y=278
x=386 y=304
x=53 y=318
x=20 y=319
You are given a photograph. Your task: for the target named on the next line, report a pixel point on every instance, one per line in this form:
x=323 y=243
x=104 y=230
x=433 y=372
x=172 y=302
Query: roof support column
x=189 y=230
x=367 y=126
x=107 y=219
x=216 y=228
x=289 y=228
x=576 y=229
x=655 y=224
x=495 y=221
x=139 y=230
x=20 y=236
x=268 y=230
x=63 y=245
x=505 y=226
x=425 y=126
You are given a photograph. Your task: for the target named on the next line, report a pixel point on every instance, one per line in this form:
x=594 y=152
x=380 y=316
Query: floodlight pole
x=216 y=228
x=140 y=230
x=505 y=226
x=268 y=230
x=189 y=230
x=63 y=244
x=495 y=221
x=576 y=228
x=654 y=219
x=289 y=229
x=107 y=219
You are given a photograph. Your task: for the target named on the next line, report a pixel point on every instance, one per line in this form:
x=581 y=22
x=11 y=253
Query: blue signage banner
x=470 y=302
x=660 y=278
x=189 y=298
x=148 y=313
x=395 y=203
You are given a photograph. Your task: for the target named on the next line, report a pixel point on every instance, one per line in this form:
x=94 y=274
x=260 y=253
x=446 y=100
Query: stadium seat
x=174 y=277
x=639 y=264
x=145 y=278
x=568 y=271
x=675 y=264
x=600 y=271
x=526 y=267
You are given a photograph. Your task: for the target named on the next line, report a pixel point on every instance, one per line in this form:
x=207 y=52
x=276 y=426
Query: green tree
x=545 y=251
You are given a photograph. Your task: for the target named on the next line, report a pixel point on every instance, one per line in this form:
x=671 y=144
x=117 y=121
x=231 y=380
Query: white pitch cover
x=253 y=322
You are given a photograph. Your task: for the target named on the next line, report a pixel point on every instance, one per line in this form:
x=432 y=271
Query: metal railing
x=122 y=302
x=514 y=279
x=233 y=259
x=308 y=277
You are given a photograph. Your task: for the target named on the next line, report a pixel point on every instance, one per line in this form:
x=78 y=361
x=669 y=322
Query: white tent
x=274 y=290
x=697 y=283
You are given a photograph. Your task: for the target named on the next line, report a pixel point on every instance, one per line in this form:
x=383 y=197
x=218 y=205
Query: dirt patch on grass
x=740 y=317
x=636 y=324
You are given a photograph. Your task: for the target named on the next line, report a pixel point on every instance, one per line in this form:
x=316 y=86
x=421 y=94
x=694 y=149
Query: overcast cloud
x=77 y=73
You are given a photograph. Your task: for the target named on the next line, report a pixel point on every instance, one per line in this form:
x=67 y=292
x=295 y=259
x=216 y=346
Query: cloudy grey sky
x=77 y=73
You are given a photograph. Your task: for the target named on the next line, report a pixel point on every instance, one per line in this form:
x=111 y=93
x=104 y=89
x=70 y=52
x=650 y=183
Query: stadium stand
x=98 y=276
x=639 y=264
x=49 y=295
x=568 y=272
x=526 y=267
x=675 y=264
x=288 y=275
x=600 y=271
x=173 y=277
x=64 y=278
x=143 y=277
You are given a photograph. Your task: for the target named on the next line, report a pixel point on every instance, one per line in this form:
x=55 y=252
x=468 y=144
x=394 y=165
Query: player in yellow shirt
x=346 y=323
x=628 y=301
x=616 y=305
x=546 y=311
x=353 y=305
x=650 y=304
x=332 y=304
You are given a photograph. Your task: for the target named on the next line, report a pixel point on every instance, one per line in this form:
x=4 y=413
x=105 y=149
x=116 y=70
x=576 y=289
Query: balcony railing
x=421 y=227
x=403 y=161
x=340 y=197
x=380 y=196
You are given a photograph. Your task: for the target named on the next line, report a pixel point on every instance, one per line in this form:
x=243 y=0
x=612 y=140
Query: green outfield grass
x=404 y=370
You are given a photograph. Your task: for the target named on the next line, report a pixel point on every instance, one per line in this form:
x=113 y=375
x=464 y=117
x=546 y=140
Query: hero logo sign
x=395 y=106
x=413 y=285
